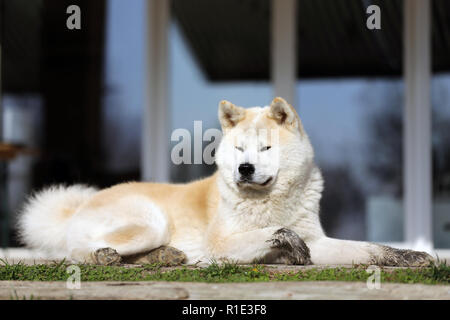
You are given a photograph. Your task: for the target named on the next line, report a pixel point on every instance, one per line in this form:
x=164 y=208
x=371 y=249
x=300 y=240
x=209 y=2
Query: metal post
x=417 y=124
x=155 y=128
x=283 y=49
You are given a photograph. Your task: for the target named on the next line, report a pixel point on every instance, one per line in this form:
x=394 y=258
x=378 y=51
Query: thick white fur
x=89 y=228
x=43 y=223
x=245 y=218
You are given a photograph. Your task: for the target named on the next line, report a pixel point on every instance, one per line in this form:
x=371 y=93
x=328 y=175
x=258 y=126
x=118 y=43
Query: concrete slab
x=205 y=291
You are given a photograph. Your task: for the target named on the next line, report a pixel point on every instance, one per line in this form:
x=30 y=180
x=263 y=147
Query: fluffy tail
x=42 y=224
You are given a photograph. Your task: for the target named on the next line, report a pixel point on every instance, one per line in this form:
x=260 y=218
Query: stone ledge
x=210 y=291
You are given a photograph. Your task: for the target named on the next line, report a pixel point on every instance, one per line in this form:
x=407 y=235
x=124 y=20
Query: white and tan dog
x=261 y=205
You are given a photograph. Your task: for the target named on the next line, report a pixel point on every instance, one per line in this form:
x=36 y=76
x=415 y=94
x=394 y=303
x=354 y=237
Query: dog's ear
x=285 y=115
x=229 y=114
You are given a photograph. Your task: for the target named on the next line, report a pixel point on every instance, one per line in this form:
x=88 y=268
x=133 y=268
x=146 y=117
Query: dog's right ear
x=230 y=115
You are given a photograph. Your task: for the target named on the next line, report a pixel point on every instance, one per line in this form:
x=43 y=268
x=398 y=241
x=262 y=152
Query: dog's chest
x=261 y=214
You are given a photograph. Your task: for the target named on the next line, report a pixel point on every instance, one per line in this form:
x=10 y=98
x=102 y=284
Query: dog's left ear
x=285 y=115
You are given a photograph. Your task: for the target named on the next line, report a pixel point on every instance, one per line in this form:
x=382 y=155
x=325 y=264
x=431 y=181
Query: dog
x=261 y=205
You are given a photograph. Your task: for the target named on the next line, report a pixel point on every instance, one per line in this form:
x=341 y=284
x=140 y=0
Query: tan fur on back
x=125 y=234
x=185 y=204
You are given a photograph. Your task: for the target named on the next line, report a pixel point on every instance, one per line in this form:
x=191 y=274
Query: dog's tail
x=42 y=224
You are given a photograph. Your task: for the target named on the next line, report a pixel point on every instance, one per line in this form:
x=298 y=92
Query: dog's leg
x=129 y=225
x=272 y=244
x=402 y=257
x=166 y=255
x=288 y=248
x=334 y=251
x=102 y=256
x=109 y=256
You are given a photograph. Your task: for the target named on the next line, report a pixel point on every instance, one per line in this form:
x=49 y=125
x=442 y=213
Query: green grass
x=434 y=274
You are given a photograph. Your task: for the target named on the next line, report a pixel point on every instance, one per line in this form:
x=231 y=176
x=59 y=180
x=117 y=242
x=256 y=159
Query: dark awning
x=35 y=39
x=231 y=39
x=21 y=23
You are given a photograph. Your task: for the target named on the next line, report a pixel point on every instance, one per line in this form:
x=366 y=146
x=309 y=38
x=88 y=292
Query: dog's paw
x=404 y=258
x=106 y=257
x=168 y=256
x=292 y=247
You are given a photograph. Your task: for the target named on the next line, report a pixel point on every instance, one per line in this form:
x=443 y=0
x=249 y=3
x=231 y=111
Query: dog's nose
x=246 y=169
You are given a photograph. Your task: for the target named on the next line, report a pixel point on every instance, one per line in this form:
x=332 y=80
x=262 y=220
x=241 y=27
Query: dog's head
x=262 y=148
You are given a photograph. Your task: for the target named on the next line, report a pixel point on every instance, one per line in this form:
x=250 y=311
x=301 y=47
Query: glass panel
x=440 y=93
x=441 y=159
x=125 y=53
x=355 y=125
x=72 y=98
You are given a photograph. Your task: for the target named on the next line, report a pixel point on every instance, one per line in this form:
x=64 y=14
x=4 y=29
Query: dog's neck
x=281 y=206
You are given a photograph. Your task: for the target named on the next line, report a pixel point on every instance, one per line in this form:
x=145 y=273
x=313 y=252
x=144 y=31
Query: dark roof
x=21 y=24
x=35 y=41
x=231 y=39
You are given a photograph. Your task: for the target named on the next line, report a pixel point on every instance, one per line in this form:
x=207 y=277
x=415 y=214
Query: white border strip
x=155 y=125
x=283 y=49
x=417 y=125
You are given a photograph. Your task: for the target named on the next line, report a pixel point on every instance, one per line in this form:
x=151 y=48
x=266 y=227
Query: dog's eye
x=265 y=148
x=240 y=148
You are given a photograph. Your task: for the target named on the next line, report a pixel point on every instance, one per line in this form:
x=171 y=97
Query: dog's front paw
x=293 y=248
x=404 y=258
x=106 y=257
x=168 y=256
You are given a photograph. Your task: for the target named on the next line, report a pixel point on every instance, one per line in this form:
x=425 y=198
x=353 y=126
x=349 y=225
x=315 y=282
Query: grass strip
x=217 y=273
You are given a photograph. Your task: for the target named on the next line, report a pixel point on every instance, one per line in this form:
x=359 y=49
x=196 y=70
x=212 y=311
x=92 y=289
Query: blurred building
x=98 y=105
